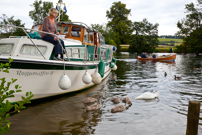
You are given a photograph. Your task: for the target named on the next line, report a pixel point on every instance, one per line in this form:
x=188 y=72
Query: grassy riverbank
x=167 y=44
x=169 y=41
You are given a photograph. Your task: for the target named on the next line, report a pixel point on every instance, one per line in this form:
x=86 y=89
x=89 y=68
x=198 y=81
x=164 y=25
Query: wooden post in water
x=193 y=118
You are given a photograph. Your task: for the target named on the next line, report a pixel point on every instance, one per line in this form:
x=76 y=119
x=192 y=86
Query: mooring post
x=193 y=117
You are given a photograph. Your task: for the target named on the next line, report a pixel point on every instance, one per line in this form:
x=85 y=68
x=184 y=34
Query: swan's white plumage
x=148 y=95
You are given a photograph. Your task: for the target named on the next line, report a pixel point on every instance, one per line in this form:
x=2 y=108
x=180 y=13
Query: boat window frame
x=86 y=33
x=20 y=50
x=79 y=52
x=8 y=44
x=68 y=29
x=101 y=39
x=77 y=33
x=89 y=36
x=103 y=52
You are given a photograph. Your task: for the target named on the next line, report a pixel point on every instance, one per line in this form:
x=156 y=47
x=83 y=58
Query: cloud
x=164 y=12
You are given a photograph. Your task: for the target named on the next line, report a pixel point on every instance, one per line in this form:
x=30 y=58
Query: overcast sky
x=164 y=12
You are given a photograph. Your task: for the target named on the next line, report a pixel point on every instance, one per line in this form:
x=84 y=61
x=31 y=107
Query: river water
x=167 y=115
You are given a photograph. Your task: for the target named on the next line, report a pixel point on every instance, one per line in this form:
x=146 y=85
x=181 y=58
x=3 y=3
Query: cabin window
x=76 y=31
x=102 y=40
x=76 y=52
x=91 y=37
x=65 y=30
x=85 y=36
x=82 y=52
x=32 y=50
x=69 y=52
x=6 y=48
x=103 y=53
x=98 y=38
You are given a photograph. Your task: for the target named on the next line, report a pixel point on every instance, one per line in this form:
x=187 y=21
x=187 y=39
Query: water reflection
x=67 y=115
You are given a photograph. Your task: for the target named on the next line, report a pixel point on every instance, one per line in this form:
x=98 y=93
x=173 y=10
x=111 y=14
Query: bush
x=6 y=107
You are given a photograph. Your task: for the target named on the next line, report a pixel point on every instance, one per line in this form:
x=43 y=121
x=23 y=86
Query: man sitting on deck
x=143 y=55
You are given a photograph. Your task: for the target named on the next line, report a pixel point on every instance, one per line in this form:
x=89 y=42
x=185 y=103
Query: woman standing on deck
x=50 y=25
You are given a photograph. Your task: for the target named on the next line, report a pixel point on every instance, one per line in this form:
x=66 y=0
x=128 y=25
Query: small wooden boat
x=170 y=57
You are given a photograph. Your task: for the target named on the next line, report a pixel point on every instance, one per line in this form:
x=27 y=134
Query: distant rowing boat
x=170 y=57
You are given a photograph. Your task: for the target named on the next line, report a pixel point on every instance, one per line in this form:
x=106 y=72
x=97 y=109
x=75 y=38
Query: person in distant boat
x=50 y=25
x=153 y=55
x=143 y=55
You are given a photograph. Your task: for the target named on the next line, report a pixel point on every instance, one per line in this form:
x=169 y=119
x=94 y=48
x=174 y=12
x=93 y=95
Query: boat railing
x=91 y=56
x=24 y=29
x=79 y=23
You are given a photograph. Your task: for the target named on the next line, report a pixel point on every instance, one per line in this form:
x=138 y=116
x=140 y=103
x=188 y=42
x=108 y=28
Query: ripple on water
x=165 y=116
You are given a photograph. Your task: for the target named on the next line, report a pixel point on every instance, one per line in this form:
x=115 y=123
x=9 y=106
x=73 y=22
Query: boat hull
x=43 y=82
x=161 y=58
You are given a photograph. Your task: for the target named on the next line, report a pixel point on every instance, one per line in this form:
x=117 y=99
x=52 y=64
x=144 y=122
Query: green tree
x=190 y=28
x=137 y=43
x=64 y=17
x=6 y=108
x=40 y=11
x=119 y=22
x=145 y=37
x=99 y=27
x=10 y=31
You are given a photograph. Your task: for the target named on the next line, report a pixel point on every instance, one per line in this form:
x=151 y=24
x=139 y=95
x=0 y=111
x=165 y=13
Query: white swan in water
x=148 y=95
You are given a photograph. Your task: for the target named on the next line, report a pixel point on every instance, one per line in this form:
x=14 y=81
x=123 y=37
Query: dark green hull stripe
x=28 y=64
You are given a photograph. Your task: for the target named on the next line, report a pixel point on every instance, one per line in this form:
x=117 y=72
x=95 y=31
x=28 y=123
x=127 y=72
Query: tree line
x=142 y=36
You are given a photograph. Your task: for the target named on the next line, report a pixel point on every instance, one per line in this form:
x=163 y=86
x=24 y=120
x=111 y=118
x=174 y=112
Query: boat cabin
x=81 y=44
x=77 y=32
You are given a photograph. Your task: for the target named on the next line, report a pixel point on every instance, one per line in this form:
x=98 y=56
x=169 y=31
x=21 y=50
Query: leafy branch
x=6 y=107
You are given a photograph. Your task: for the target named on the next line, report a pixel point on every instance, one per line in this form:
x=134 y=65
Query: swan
x=177 y=78
x=126 y=100
x=148 y=95
x=115 y=100
x=118 y=108
x=89 y=100
x=95 y=106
